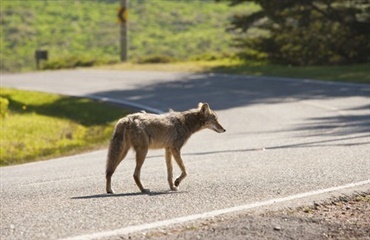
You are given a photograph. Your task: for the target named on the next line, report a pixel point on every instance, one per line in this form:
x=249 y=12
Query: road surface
x=285 y=138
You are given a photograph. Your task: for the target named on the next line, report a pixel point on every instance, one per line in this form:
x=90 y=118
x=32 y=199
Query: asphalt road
x=284 y=137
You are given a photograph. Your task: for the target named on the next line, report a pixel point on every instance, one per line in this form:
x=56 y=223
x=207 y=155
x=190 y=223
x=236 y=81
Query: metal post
x=124 y=30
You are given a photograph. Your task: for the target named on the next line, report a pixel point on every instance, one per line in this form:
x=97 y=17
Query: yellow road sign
x=122 y=14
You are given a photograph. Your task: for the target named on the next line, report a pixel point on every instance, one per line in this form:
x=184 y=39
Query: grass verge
x=40 y=126
x=355 y=73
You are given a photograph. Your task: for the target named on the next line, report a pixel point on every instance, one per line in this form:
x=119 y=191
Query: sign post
x=122 y=18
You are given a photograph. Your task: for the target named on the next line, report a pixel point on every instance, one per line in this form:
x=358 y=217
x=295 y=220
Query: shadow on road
x=357 y=120
x=321 y=143
x=224 y=92
x=308 y=144
x=324 y=143
x=105 y=195
x=227 y=91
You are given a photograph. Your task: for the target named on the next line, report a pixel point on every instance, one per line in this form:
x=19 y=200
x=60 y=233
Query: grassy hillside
x=89 y=30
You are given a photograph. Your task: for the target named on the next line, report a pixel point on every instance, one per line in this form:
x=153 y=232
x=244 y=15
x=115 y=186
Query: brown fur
x=143 y=131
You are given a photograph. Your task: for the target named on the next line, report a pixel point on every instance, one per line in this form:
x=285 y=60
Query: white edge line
x=137 y=106
x=124 y=102
x=165 y=223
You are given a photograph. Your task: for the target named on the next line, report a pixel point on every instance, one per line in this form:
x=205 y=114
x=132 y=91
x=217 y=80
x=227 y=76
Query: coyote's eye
x=214 y=115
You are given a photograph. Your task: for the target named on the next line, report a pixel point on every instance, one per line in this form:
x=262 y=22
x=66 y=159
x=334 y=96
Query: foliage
x=307 y=32
x=4 y=107
x=88 y=30
x=43 y=125
x=75 y=61
x=155 y=59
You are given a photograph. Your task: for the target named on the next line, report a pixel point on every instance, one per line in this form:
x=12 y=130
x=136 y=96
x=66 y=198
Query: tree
x=306 y=32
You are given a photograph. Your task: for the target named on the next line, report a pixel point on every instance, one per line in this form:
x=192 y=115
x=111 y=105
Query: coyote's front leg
x=177 y=155
x=140 y=158
x=170 y=169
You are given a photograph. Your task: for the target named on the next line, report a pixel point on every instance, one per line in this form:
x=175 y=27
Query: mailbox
x=40 y=55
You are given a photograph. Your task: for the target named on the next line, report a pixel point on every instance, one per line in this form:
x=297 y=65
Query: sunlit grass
x=40 y=126
x=87 y=32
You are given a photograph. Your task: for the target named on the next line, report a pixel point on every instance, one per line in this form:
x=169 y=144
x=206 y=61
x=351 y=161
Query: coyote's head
x=210 y=118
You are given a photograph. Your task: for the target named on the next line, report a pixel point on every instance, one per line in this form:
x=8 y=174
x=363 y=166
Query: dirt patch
x=341 y=218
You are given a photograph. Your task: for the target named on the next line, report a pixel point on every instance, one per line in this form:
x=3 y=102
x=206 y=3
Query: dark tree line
x=306 y=32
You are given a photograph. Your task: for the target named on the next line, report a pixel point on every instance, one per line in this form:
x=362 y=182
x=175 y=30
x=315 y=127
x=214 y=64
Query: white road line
x=124 y=102
x=168 y=222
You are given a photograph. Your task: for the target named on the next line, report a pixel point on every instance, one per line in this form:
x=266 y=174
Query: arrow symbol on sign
x=122 y=14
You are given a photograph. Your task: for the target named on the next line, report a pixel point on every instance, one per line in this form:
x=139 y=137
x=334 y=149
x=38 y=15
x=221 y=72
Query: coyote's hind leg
x=113 y=161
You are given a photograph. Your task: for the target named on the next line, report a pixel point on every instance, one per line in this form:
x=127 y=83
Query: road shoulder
x=345 y=216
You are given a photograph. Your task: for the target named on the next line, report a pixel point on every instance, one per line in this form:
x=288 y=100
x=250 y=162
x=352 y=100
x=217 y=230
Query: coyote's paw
x=145 y=190
x=110 y=191
x=177 y=182
x=175 y=189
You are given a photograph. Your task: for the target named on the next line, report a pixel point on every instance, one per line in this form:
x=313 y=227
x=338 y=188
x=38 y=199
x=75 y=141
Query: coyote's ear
x=204 y=108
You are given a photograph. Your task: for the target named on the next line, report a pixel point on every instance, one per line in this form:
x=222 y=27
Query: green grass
x=88 y=31
x=356 y=73
x=40 y=126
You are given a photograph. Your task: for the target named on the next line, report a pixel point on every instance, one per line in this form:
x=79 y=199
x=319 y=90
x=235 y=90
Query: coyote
x=170 y=131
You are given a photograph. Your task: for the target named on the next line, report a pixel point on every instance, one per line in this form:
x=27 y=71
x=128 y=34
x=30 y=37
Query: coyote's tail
x=117 y=148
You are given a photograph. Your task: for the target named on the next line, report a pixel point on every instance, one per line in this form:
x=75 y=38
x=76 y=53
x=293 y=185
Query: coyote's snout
x=170 y=131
